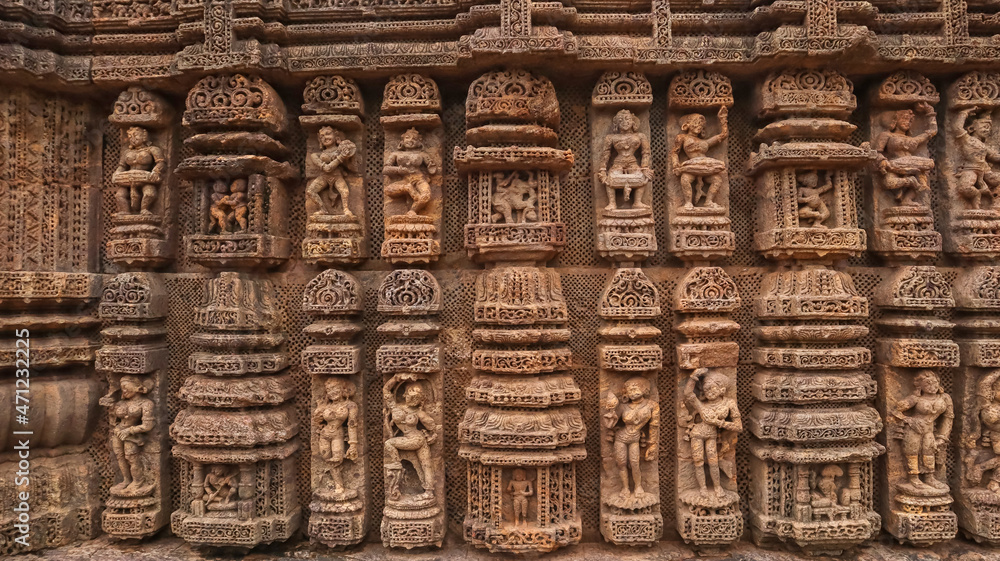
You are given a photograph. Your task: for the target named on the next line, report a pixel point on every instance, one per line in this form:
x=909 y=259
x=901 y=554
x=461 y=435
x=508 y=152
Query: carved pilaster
x=814 y=446
x=521 y=434
x=336 y=205
x=144 y=234
x=412 y=172
x=136 y=363
x=339 y=471
x=412 y=410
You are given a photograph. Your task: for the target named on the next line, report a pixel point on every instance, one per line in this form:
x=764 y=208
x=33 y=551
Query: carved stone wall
x=449 y=166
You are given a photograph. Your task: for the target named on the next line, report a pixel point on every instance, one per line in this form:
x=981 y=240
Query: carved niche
x=970 y=169
x=698 y=169
x=236 y=437
x=412 y=169
x=629 y=409
x=708 y=420
x=412 y=410
x=136 y=361
x=336 y=203
x=622 y=163
x=145 y=210
x=903 y=122
x=977 y=388
x=339 y=470
x=521 y=434
x=911 y=353
x=814 y=430
x=238 y=172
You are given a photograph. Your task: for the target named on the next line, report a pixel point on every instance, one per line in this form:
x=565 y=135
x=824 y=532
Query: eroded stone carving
x=412 y=169
x=335 y=200
x=339 y=457
x=520 y=420
x=814 y=430
x=412 y=405
x=698 y=174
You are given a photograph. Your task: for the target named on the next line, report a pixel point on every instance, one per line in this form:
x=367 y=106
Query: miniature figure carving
x=976 y=176
x=332 y=416
x=520 y=490
x=515 y=195
x=825 y=497
x=139 y=173
x=411 y=164
x=630 y=169
x=229 y=204
x=131 y=419
x=220 y=487
x=924 y=433
x=637 y=413
x=698 y=169
x=405 y=419
x=810 y=198
x=712 y=412
x=334 y=160
x=902 y=170
x=988 y=395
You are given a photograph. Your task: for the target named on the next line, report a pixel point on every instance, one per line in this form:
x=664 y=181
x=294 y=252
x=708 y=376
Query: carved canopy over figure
x=132 y=418
x=405 y=420
x=925 y=433
x=139 y=173
x=629 y=415
x=976 y=156
x=630 y=167
x=902 y=170
x=715 y=419
x=411 y=166
x=333 y=415
x=336 y=162
x=698 y=168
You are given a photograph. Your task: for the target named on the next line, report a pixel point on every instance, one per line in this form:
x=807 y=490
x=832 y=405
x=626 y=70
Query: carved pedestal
x=698 y=172
x=143 y=234
x=236 y=436
x=339 y=474
x=136 y=362
x=238 y=172
x=413 y=410
x=335 y=163
x=629 y=410
x=814 y=431
x=521 y=433
x=912 y=349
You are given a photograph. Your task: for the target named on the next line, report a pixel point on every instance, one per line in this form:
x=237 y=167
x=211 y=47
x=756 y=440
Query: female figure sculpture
x=712 y=412
x=332 y=416
x=924 y=432
x=405 y=420
x=407 y=165
x=636 y=412
x=131 y=419
x=988 y=396
x=699 y=166
x=902 y=170
x=630 y=169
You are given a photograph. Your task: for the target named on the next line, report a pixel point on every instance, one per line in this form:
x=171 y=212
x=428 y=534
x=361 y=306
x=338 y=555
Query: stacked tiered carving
x=698 y=174
x=812 y=455
x=629 y=402
x=521 y=433
x=412 y=170
x=235 y=436
x=971 y=158
x=339 y=458
x=136 y=362
x=143 y=234
x=238 y=172
x=912 y=348
x=336 y=205
x=49 y=197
